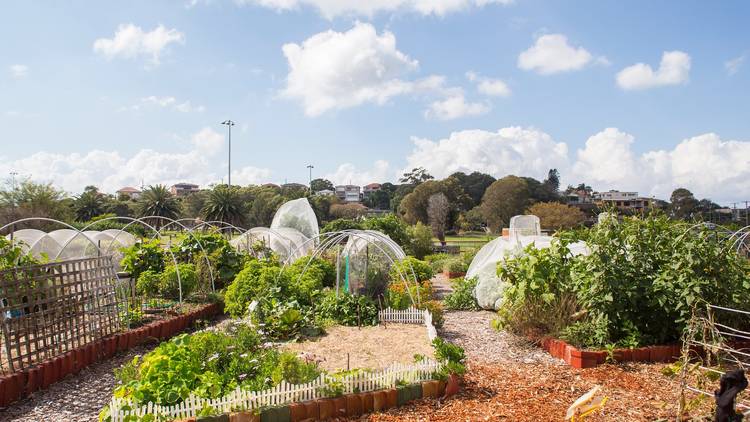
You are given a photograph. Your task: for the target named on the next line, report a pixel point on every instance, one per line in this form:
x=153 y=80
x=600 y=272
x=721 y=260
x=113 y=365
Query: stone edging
x=40 y=376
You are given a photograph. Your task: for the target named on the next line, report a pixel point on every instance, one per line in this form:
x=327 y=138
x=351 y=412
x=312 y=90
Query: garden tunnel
x=363 y=260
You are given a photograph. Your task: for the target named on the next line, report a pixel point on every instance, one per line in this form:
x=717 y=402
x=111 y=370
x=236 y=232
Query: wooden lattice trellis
x=47 y=310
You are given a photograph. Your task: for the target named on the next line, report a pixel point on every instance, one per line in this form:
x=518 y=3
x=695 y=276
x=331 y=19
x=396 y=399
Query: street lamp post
x=310 y=167
x=229 y=125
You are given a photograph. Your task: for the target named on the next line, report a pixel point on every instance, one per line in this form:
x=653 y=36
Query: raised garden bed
x=23 y=383
x=578 y=358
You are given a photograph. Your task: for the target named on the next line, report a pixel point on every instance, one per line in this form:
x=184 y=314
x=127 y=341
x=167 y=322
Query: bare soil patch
x=367 y=347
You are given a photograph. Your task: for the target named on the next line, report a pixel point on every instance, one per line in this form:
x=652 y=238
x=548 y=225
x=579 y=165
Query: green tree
x=321 y=184
x=552 y=182
x=421 y=241
x=413 y=207
x=683 y=204
x=193 y=204
x=416 y=176
x=391 y=225
x=557 y=216
x=224 y=203
x=31 y=199
x=505 y=198
x=89 y=204
x=263 y=207
x=157 y=200
x=321 y=204
x=474 y=184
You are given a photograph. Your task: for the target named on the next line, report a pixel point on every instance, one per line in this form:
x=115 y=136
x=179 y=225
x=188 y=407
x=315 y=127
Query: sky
x=640 y=95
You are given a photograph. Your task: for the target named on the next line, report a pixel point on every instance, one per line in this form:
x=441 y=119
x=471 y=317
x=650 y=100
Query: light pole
x=310 y=167
x=13 y=175
x=229 y=125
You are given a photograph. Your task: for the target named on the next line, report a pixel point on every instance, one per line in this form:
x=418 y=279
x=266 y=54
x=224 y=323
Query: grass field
x=471 y=240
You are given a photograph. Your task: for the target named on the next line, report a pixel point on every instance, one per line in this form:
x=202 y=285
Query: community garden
x=644 y=314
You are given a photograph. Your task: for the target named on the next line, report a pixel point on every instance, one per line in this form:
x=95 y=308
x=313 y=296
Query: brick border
x=578 y=358
x=21 y=384
x=346 y=406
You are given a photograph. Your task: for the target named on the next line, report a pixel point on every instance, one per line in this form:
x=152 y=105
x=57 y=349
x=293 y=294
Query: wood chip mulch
x=538 y=392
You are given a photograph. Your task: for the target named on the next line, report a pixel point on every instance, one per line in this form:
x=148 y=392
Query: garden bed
x=345 y=348
x=578 y=358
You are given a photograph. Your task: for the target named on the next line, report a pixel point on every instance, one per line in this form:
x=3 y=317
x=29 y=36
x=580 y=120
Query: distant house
x=325 y=192
x=294 y=186
x=368 y=189
x=348 y=193
x=184 y=189
x=130 y=192
x=624 y=201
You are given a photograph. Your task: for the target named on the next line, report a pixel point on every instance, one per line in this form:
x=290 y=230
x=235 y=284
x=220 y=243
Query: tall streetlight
x=229 y=125
x=310 y=167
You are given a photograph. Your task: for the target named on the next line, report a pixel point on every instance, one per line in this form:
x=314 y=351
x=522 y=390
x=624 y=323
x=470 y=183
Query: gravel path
x=483 y=344
x=441 y=286
x=77 y=398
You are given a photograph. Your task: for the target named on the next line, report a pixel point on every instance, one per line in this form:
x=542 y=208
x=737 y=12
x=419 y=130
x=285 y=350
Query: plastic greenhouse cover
x=297 y=214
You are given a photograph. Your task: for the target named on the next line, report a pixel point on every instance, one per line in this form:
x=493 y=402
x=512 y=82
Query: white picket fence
x=411 y=315
x=282 y=394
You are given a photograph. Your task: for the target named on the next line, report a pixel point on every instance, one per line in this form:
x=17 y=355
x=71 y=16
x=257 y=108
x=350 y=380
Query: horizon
x=112 y=95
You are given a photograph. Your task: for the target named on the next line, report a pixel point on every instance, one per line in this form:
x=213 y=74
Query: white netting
x=526 y=225
x=489 y=289
x=366 y=260
x=71 y=244
x=299 y=215
x=285 y=242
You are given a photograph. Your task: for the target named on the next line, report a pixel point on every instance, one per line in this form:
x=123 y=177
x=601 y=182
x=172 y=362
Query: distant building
x=325 y=192
x=271 y=185
x=625 y=201
x=130 y=192
x=348 y=193
x=579 y=197
x=368 y=189
x=184 y=189
x=294 y=186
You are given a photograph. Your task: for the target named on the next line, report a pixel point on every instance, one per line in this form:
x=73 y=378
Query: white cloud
x=551 y=53
x=707 y=165
x=511 y=150
x=18 y=71
x=333 y=8
x=488 y=86
x=349 y=173
x=199 y=162
x=674 y=69
x=337 y=70
x=131 y=41
x=164 y=102
x=455 y=106
x=733 y=65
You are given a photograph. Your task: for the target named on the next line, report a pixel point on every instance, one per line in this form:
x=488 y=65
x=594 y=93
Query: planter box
x=244 y=417
x=353 y=405
x=660 y=353
x=623 y=355
x=312 y=410
x=379 y=401
x=339 y=407
x=368 y=400
x=450 y=274
x=275 y=414
x=642 y=354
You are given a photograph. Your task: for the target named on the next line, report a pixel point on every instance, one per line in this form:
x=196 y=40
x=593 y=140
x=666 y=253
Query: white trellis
x=284 y=393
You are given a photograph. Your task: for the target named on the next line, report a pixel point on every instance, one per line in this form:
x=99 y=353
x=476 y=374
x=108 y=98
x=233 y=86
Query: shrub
x=462 y=296
x=148 y=283
x=456 y=265
x=143 y=256
x=409 y=268
x=175 y=278
x=340 y=224
x=256 y=278
x=437 y=261
x=421 y=240
x=436 y=309
x=398 y=297
x=451 y=356
x=348 y=309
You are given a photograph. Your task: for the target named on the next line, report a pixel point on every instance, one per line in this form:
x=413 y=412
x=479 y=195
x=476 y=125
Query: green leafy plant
x=148 y=283
x=348 y=309
x=143 y=256
x=176 y=278
x=452 y=357
x=462 y=296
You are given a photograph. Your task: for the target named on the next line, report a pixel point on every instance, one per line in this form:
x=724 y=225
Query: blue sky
x=112 y=93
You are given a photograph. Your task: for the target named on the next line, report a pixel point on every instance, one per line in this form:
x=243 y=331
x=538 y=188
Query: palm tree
x=224 y=203
x=89 y=204
x=158 y=201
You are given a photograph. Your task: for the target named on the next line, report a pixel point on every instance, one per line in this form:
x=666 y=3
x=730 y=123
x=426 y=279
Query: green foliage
x=409 y=268
x=225 y=203
x=174 y=279
x=148 y=283
x=348 y=309
x=398 y=297
x=640 y=283
x=208 y=364
x=256 y=278
x=451 y=356
x=390 y=225
x=147 y=255
x=421 y=240
x=505 y=198
x=158 y=201
x=456 y=265
x=462 y=296
x=341 y=224
x=12 y=256
x=437 y=261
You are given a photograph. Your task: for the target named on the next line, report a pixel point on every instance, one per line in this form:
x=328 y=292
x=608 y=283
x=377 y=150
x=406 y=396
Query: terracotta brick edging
x=346 y=406
x=590 y=358
x=40 y=376
x=452 y=274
